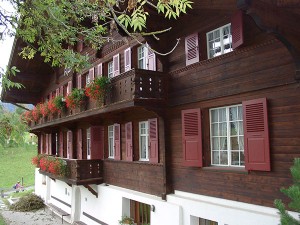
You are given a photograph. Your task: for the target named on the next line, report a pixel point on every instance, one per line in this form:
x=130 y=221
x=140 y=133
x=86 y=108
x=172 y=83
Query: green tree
x=293 y=192
x=52 y=28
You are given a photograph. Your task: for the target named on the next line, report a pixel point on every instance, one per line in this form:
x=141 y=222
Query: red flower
x=52 y=107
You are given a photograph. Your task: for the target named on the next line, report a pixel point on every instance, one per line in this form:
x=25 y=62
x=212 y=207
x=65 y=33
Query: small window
x=140 y=212
x=110 y=69
x=219 y=41
x=142 y=59
x=111 y=151
x=227 y=136
x=144 y=141
x=88 y=143
x=207 y=222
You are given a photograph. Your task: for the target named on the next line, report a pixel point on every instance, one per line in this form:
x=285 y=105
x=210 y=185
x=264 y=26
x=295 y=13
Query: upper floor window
x=142 y=63
x=111 y=151
x=88 y=143
x=144 y=140
x=227 y=136
x=219 y=41
x=110 y=71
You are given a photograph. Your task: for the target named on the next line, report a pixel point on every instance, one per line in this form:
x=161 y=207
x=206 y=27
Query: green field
x=1 y=220
x=15 y=163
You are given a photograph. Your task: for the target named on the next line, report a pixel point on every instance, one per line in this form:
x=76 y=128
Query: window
x=111 y=151
x=87 y=79
x=142 y=62
x=206 y=222
x=143 y=139
x=140 y=212
x=227 y=136
x=88 y=143
x=219 y=41
x=110 y=69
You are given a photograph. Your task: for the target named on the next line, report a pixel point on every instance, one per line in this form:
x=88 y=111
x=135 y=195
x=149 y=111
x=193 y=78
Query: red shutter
x=99 y=70
x=151 y=63
x=42 y=144
x=79 y=79
x=50 y=144
x=92 y=74
x=117 y=139
x=128 y=134
x=127 y=56
x=256 y=135
x=70 y=144
x=97 y=142
x=153 y=140
x=116 y=65
x=191 y=137
x=79 y=144
x=191 y=49
x=69 y=88
x=61 y=144
x=237 y=29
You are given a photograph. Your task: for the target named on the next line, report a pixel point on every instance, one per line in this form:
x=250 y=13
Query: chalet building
x=203 y=136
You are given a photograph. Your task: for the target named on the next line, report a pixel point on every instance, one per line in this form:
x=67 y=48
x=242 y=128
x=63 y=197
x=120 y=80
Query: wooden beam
x=91 y=190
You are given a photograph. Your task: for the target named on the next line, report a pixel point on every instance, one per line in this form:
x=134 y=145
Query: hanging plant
x=98 y=89
x=76 y=98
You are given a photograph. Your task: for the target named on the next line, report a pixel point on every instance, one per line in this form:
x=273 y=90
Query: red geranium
x=27 y=116
x=98 y=88
x=36 y=113
x=52 y=107
x=44 y=164
x=44 y=109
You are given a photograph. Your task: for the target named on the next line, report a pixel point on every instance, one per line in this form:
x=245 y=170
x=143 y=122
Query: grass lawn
x=15 y=163
x=2 y=220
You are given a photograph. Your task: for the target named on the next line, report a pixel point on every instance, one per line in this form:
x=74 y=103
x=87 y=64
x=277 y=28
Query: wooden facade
x=261 y=67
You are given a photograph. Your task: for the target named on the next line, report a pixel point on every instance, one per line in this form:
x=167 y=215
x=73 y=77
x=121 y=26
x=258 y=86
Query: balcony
x=133 y=88
x=79 y=172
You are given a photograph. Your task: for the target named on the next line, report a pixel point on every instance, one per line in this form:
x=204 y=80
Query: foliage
x=2 y=221
x=51 y=164
x=12 y=128
x=59 y=102
x=293 y=192
x=53 y=28
x=126 y=220
x=28 y=203
x=98 y=89
x=15 y=164
x=75 y=98
x=7 y=75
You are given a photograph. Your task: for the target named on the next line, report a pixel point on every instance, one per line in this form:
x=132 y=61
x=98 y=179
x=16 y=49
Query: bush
x=28 y=203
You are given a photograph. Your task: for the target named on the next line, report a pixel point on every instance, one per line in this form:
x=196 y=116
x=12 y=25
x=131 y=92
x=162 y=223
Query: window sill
x=225 y=169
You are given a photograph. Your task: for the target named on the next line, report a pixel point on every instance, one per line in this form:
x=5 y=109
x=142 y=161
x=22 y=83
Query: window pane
x=223 y=129
x=224 y=158
x=242 y=158
x=214 y=116
x=215 y=129
x=210 y=36
x=215 y=157
x=217 y=34
x=241 y=143
x=240 y=113
x=222 y=115
x=235 y=158
x=233 y=114
x=234 y=143
x=241 y=128
x=215 y=143
x=223 y=143
x=143 y=147
x=233 y=128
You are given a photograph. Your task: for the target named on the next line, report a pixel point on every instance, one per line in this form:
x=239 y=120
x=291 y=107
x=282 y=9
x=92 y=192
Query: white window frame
x=228 y=136
x=147 y=140
x=87 y=80
x=142 y=56
x=222 y=44
x=88 y=143
x=110 y=69
x=56 y=144
x=111 y=137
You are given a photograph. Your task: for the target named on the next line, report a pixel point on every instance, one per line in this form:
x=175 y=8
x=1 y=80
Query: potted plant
x=44 y=109
x=126 y=220
x=52 y=107
x=36 y=113
x=98 y=89
x=76 y=98
x=59 y=103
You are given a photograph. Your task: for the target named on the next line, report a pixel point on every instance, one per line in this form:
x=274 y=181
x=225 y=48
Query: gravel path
x=40 y=217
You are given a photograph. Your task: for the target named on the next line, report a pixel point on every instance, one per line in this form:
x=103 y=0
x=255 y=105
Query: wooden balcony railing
x=140 y=87
x=81 y=171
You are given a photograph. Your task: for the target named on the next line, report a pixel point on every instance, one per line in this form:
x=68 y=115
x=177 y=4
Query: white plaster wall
x=225 y=212
x=40 y=189
x=109 y=207
x=58 y=190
